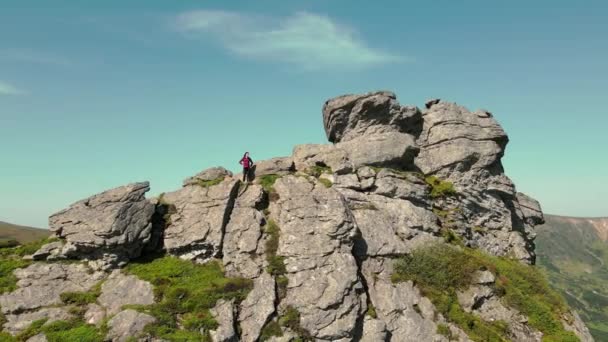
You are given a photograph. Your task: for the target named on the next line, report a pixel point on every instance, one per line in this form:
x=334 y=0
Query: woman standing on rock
x=247 y=164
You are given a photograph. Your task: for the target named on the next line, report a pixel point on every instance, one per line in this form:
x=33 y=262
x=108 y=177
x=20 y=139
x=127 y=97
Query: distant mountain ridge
x=574 y=253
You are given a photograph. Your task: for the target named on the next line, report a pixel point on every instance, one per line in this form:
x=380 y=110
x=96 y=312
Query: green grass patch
x=318 y=170
x=440 y=188
x=208 y=183
x=326 y=182
x=440 y=270
x=12 y=259
x=282 y=282
x=82 y=298
x=291 y=319
x=443 y=329
x=371 y=311
x=276 y=263
x=267 y=182
x=272 y=328
x=187 y=290
x=60 y=331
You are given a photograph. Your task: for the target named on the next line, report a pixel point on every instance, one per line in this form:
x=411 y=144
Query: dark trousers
x=245 y=174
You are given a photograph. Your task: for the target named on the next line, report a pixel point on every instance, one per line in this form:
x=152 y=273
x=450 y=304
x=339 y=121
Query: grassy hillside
x=574 y=253
x=11 y=234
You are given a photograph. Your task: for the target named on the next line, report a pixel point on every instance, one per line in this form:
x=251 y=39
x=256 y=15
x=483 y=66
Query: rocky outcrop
x=112 y=226
x=319 y=244
x=196 y=224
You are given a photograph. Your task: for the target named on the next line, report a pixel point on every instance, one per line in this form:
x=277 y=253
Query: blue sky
x=96 y=96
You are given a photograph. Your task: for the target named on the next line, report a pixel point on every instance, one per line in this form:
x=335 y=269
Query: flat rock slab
x=122 y=289
x=41 y=284
x=15 y=323
x=127 y=324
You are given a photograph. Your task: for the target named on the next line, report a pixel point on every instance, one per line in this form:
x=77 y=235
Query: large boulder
x=198 y=218
x=308 y=156
x=257 y=308
x=351 y=116
x=278 y=166
x=455 y=139
x=115 y=222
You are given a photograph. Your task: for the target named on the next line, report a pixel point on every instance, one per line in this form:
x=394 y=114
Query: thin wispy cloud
x=9 y=89
x=304 y=39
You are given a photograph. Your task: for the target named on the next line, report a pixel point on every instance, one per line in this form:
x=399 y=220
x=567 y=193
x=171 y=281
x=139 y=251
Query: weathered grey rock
x=532 y=213
x=474 y=296
x=51 y=250
x=407 y=186
x=577 y=326
x=374 y=330
x=316 y=239
x=196 y=225
x=396 y=304
x=41 y=284
x=243 y=249
x=430 y=103
x=454 y=139
x=492 y=309
x=116 y=221
x=483 y=277
x=210 y=174
x=223 y=312
x=122 y=289
x=37 y=338
x=95 y=314
x=127 y=324
x=351 y=116
x=257 y=308
x=15 y=323
x=392 y=149
x=310 y=155
x=277 y=166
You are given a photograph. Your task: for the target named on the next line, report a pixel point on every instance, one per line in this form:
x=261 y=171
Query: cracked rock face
x=317 y=231
x=196 y=227
x=126 y=324
x=116 y=220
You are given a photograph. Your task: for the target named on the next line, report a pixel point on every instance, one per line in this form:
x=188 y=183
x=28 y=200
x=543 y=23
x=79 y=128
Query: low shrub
x=440 y=270
x=440 y=188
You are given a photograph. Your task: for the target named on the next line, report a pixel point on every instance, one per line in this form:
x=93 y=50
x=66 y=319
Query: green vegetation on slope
x=188 y=291
x=276 y=263
x=440 y=270
x=11 y=233
x=440 y=188
x=59 y=331
x=574 y=258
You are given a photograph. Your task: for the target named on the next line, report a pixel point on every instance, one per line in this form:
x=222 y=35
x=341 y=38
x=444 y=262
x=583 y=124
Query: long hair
x=245 y=155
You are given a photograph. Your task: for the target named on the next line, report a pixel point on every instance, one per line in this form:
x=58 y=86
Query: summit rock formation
x=317 y=235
